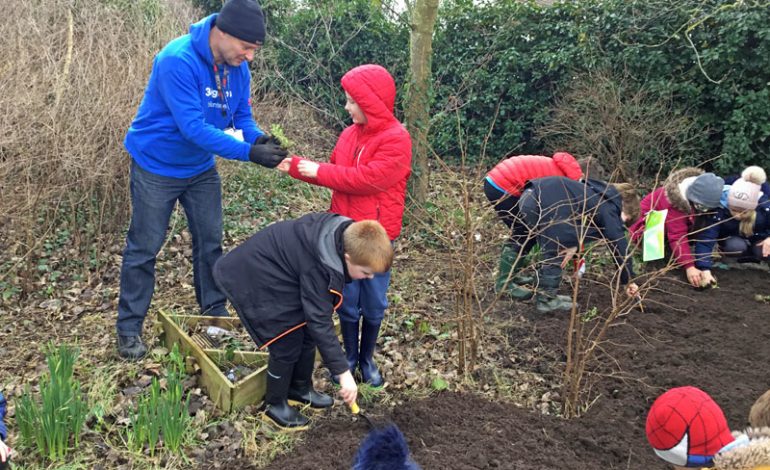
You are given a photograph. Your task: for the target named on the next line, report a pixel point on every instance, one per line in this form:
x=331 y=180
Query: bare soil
x=716 y=340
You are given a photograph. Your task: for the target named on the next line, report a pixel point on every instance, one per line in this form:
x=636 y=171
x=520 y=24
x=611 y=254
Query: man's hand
x=267 y=154
x=285 y=165
x=765 y=244
x=348 y=387
x=694 y=276
x=308 y=168
x=632 y=290
x=267 y=139
x=5 y=452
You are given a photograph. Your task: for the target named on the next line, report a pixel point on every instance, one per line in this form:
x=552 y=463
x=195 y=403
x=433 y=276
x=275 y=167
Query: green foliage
x=312 y=46
x=498 y=67
x=209 y=6
x=162 y=412
x=438 y=384
x=277 y=131
x=53 y=424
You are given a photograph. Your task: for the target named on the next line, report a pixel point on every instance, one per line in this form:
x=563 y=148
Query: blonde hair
x=631 y=204
x=367 y=244
x=747 y=219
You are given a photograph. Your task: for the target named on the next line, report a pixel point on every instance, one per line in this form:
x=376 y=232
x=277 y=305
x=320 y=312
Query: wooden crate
x=228 y=396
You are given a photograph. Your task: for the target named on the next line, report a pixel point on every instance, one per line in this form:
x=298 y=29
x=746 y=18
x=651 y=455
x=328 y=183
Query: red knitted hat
x=687 y=428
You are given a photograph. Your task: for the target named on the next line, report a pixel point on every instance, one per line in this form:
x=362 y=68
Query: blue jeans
x=153 y=198
x=365 y=297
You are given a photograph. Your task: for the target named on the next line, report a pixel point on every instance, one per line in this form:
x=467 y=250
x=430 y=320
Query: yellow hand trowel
x=354 y=408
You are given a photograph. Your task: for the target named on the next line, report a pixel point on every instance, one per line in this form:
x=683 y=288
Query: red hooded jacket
x=513 y=173
x=371 y=162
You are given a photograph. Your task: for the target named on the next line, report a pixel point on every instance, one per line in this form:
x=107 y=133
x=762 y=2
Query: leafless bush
x=622 y=123
x=74 y=73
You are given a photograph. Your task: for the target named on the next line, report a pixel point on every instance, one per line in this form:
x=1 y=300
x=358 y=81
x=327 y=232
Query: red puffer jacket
x=512 y=174
x=371 y=162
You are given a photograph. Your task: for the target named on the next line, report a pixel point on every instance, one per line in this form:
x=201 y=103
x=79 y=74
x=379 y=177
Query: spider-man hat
x=687 y=428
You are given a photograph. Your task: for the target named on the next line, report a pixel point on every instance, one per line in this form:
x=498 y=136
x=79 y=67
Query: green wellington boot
x=509 y=263
x=548 y=299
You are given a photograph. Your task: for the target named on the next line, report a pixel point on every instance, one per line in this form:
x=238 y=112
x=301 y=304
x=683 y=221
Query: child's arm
x=318 y=308
x=614 y=233
x=386 y=167
x=705 y=241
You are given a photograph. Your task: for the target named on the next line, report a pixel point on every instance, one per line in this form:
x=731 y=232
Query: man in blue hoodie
x=196 y=105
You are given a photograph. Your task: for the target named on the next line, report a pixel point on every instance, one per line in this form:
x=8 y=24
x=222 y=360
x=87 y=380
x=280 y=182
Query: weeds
x=58 y=419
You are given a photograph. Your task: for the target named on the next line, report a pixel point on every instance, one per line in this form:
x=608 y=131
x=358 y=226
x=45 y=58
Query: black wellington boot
x=548 y=298
x=349 y=330
x=369 y=371
x=277 y=409
x=301 y=391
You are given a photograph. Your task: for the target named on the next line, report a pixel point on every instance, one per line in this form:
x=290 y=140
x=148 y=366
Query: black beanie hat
x=242 y=19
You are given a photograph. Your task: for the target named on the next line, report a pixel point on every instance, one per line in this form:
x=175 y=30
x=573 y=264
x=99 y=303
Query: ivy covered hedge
x=499 y=67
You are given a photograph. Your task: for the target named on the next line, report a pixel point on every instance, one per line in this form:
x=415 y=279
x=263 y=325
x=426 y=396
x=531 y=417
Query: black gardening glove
x=267 y=154
x=267 y=139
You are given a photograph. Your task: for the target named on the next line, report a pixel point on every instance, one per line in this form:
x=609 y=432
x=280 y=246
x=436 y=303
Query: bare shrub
x=624 y=124
x=74 y=73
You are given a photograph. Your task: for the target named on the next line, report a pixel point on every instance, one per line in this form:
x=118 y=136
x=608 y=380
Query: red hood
x=374 y=90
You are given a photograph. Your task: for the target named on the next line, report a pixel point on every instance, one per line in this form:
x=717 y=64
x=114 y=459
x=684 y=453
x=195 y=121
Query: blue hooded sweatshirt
x=3 y=429
x=178 y=127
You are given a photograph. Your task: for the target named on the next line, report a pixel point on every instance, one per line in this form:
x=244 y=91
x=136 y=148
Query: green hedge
x=500 y=65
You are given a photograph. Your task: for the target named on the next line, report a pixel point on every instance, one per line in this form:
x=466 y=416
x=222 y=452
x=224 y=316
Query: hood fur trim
x=671 y=186
x=747 y=457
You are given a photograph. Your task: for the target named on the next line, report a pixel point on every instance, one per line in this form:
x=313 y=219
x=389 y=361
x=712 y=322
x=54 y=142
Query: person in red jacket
x=503 y=186
x=367 y=173
x=687 y=194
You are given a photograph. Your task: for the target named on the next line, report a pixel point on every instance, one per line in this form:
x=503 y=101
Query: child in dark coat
x=687 y=194
x=562 y=215
x=285 y=282
x=741 y=224
x=503 y=186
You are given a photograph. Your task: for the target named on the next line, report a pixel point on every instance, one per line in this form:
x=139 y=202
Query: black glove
x=266 y=138
x=267 y=154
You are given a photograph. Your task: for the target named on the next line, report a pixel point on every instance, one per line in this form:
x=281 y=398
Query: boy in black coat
x=285 y=282
x=562 y=215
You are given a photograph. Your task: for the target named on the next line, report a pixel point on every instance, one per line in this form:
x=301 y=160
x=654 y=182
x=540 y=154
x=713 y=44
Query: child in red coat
x=367 y=173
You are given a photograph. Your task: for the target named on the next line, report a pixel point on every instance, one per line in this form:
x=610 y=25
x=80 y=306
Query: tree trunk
x=417 y=110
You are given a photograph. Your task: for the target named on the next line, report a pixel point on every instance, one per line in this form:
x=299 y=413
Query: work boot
x=301 y=391
x=131 y=347
x=277 y=408
x=510 y=263
x=369 y=372
x=349 y=331
x=548 y=298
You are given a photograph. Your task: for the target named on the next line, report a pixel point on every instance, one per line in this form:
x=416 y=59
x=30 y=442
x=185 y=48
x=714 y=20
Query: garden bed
x=716 y=340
